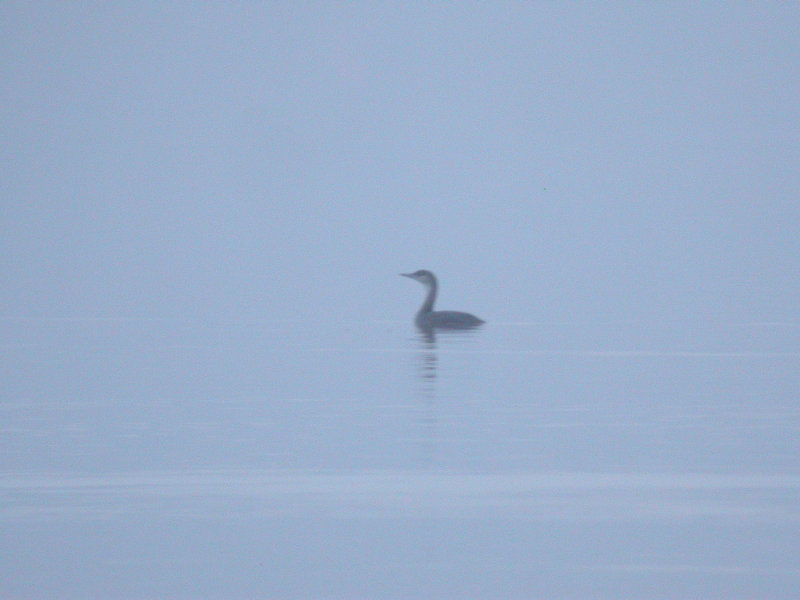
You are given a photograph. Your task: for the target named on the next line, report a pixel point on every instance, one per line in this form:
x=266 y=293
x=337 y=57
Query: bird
x=428 y=319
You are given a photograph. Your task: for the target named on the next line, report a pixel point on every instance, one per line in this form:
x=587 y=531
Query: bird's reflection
x=428 y=343
x=427 y=355
x=427 y=366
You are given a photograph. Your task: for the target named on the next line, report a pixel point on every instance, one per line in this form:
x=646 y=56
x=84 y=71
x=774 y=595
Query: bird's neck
x=427 y=306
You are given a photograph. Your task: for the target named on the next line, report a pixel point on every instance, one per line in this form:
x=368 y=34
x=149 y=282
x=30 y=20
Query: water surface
x=179 y=459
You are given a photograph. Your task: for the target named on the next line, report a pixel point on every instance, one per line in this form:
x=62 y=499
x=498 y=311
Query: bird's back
x=447 y=319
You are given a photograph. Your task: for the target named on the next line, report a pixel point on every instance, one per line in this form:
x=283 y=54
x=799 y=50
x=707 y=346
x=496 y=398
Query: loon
x=428 y=319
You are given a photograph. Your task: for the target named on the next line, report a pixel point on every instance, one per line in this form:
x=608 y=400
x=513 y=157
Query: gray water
x=187 y=459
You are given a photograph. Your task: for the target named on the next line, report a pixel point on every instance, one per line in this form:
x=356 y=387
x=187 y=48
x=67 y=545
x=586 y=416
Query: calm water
x=166 y=459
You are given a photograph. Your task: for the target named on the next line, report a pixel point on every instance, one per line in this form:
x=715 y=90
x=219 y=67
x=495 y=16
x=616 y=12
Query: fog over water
x=211 y=385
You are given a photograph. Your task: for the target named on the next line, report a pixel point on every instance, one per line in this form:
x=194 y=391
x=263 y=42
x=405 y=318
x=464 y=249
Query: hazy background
x=210 y=384
x=286 y=160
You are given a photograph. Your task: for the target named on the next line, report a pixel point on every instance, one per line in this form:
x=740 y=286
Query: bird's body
x=428 y=319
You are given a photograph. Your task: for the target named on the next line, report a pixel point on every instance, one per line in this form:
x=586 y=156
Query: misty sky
x=548 y=160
